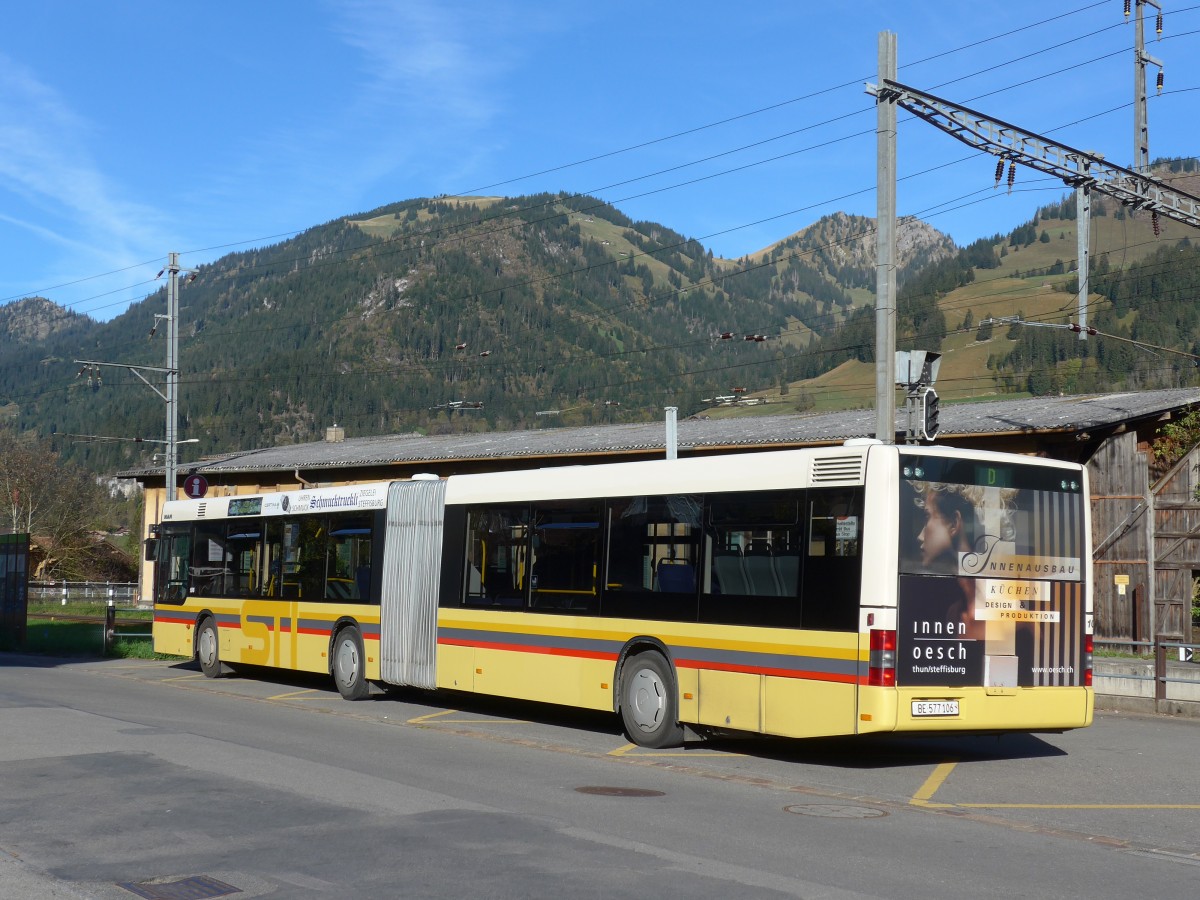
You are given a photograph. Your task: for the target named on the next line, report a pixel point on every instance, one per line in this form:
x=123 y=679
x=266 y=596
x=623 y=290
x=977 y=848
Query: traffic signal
x=929 y=414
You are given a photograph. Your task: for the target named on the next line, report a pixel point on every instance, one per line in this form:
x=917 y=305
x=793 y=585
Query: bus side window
x=832 y=566
x=175 y=548
x=497 y=556
x=651 y=568
x=211 y=559
x=271 y=563
x=565 y=558
x=753 y=560
x=245 y=545
x=348 y=577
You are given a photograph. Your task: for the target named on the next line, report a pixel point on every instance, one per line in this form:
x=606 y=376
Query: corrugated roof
x=1015 y=416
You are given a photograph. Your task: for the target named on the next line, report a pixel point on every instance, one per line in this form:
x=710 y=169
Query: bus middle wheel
x=350 y=665
x=649 y=702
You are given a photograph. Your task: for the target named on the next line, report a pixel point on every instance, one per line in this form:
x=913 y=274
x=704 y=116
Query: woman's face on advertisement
x=938 y=535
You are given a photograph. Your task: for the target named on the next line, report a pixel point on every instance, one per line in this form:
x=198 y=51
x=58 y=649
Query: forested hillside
x=436 y=315
x=459 y=314
x=999 y=311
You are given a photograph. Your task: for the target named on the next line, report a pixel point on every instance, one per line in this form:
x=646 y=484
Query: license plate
x=935 y=708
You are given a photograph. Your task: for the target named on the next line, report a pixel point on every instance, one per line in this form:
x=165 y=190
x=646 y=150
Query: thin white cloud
x=442 y=58
x=46 y=166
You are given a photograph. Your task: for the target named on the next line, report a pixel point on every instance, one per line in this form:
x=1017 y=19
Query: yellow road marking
x=931 y=785
x=421 y=720
x=942 y=772
x=146 y=665
x=707 y=754
x=186 y=677
x=296 y=695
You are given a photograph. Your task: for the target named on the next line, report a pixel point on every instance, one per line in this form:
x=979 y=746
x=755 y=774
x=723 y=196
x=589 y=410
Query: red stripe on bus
x=682 y=663
x=172 y=620
x=762 y=670
x=524 y=648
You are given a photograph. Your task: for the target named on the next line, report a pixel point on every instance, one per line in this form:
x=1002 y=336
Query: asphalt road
x=128 y=778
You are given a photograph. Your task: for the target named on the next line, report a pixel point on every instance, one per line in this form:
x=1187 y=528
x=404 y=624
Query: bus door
x=412 y=566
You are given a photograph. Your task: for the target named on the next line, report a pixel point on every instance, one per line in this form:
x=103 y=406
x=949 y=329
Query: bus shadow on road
x=890 y=751
x=863 y=752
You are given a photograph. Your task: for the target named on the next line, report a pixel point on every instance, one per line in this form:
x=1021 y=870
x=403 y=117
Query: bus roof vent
x=847 y=469
x=201 y=509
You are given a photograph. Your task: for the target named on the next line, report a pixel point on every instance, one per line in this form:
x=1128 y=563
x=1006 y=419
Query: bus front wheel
x=648 y=702
x=208 y=650
x=349 y=665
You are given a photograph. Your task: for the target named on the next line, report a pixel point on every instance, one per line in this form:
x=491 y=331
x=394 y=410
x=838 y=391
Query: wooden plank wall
x=1121 y=526
x=1176 y=547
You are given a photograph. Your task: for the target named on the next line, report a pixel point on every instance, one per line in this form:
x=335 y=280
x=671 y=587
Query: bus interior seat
x=362 y=579
x=787 y=568
x=676 y=576
x=727 y=564
x=759 y=565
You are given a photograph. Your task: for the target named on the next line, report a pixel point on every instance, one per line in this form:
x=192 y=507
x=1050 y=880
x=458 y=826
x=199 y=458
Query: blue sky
x=132 y=128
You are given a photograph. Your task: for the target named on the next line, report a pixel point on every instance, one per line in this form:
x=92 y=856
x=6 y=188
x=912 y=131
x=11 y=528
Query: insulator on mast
x=1159 y=83
x=1154 y=223
x=1158 y=25
x=1012 y=174
x=1127 y=4
x=999 y=172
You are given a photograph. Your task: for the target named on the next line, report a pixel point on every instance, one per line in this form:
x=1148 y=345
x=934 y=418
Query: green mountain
x=1144 y=276
x=441 y=315
x=457 y=314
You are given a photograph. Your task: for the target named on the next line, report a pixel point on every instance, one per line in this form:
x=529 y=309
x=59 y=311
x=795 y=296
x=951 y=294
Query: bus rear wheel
x=649 y=703
x=349 y=665
x=208 y=649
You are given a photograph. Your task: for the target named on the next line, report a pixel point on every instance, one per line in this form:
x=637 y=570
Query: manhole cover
x=835 y=811
x=606 y=791
x=197 y=887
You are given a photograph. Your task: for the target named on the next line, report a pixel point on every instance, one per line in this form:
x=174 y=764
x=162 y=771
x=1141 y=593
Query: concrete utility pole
x=885 y=245
x=170 y=393
x=1141 y=121
x=1083 y=243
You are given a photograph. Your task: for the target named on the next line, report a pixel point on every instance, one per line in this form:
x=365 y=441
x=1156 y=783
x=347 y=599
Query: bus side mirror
x=150 y=549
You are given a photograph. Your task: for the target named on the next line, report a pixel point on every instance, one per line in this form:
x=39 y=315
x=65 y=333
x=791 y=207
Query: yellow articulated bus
x=847 y=590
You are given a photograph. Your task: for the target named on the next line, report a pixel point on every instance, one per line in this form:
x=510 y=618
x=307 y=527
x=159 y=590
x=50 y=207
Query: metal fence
x=1164 y=662
x=111 y=593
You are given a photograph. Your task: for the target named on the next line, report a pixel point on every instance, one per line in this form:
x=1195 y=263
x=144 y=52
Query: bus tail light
x=882 y=665
x=1087 y=660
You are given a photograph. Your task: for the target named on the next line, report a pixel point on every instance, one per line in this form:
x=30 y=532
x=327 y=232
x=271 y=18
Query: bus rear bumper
x=976 y=709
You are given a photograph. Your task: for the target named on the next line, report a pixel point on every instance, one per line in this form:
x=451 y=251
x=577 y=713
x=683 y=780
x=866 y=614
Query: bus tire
x=350 y=664
x=649 y=705
x=208 y=649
